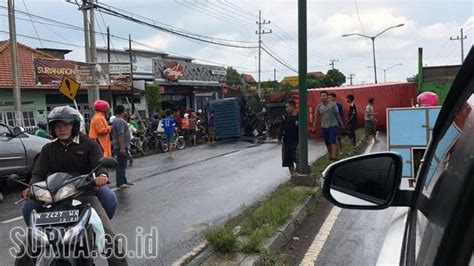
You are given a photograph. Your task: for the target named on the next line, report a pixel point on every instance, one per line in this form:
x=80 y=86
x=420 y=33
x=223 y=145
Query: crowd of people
x=329 y=116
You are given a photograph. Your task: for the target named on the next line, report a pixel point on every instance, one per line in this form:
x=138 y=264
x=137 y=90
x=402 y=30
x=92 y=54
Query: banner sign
x=51 y=71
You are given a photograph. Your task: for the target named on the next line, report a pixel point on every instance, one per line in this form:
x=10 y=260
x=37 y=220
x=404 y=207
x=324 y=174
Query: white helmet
x=111 y=119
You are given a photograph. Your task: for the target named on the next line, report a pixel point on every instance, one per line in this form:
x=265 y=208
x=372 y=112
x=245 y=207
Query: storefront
x=188 y=85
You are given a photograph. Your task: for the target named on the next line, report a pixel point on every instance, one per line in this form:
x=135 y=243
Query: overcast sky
x=428 y=24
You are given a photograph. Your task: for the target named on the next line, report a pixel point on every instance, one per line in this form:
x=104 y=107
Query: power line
x=113 y=11
x=239 y=8
x=168 y=30
x=229 y=13
x=278 y=60
x=34 y=27
x=44 y=40
x=358 y=16
x=234 y=8
x=60 y=24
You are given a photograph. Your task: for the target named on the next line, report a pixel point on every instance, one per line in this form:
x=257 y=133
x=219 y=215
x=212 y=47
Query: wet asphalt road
x=357 y=235
x=355 y=239
x=201 y=186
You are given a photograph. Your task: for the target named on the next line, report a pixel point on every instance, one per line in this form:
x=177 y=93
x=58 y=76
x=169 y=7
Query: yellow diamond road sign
x=69 y=87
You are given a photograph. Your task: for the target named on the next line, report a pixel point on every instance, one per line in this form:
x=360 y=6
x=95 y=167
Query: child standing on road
x=289 y=135
x=169 y=125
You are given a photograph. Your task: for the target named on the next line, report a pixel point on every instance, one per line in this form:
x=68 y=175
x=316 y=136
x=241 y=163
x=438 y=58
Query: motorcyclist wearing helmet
x=43 y=130
x=73 y=152
x=99 y=129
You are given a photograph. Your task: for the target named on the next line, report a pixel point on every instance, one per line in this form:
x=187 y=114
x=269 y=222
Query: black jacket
x=289 y=129
x=79 y=157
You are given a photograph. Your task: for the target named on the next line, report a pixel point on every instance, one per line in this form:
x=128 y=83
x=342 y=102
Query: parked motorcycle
x=154 y=141
x=65 y=223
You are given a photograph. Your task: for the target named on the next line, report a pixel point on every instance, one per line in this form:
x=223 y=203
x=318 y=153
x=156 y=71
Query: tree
x=413 y=78
x=314 y=82
x=233 y=77
x=333 y=78
x=153 y=98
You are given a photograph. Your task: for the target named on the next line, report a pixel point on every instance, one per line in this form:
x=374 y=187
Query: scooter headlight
x=66 y=191
x=42 y=195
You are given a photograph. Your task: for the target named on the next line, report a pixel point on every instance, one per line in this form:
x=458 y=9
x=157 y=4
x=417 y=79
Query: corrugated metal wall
x=386 y=95
x=227 y=115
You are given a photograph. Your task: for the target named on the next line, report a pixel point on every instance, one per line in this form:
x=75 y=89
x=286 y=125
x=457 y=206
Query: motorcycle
x=154 y=141
x=179 y=141
x=65 y=229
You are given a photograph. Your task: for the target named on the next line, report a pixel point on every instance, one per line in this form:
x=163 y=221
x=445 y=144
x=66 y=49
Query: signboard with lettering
x=51 y=71
x=118 y=74
x=173 y=71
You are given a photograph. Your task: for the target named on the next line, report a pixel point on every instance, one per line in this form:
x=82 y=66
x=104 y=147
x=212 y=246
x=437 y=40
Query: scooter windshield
x=55 y=181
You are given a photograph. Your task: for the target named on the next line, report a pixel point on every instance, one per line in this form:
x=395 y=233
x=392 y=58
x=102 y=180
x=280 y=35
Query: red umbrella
x=428 y=98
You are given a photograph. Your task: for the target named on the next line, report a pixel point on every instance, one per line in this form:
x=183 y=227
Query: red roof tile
x=25 y=62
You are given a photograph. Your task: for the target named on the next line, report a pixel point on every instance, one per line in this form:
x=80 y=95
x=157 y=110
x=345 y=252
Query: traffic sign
x=69 y=87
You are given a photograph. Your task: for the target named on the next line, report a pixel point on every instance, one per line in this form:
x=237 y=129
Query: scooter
x=65 y=229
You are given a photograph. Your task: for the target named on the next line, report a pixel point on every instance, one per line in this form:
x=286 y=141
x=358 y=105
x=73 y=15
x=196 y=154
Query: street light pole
x=372 y=38
x=385 y=71
x=373 y=55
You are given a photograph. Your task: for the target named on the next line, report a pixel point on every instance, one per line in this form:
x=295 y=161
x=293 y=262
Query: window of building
x=29 y=119
x=10 y=118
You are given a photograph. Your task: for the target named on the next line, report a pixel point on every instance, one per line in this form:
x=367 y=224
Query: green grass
x=259 y=224
x=222 y=239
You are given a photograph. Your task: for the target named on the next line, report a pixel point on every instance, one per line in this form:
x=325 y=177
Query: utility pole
x=462 y=38
x=14 y=62
x=108 y=60
x=351 y=76
x=131 y=73
x=302 y=88
x=274 y=74
x=87 y=43
x=260 y=32
x=93 y=48
x=332 y=62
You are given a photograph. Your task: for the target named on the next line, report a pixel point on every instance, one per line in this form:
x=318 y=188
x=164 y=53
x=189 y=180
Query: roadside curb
x=274 y=243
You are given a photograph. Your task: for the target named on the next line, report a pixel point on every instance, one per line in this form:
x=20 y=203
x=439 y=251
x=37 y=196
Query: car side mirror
x=17 y=131
x=108 y=162
x=367 y=181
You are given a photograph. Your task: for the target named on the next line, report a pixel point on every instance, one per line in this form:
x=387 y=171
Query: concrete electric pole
x=14 y=62
x=332 y=62
x=462 y=38
x=90 y=47
x=259 y=33
x=351 y=77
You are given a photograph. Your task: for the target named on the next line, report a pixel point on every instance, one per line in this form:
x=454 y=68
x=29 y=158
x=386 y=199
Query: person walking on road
x=121 y=144
x=169 y=125
x=211 y=127
x=370 y=129
x=99 y=129
x=288 y=135
x=333 y=98
x=351 y=119
x=327 y=114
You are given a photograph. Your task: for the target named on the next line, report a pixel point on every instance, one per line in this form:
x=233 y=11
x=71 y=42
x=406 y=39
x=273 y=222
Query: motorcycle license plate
x=57 y=217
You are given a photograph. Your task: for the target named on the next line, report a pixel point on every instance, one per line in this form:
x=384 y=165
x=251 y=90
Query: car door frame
x=461 y=90
x=17 y=169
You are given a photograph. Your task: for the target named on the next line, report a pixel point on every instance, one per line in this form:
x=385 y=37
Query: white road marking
x=12 y=220
x=319 y=240
x=115 y=189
